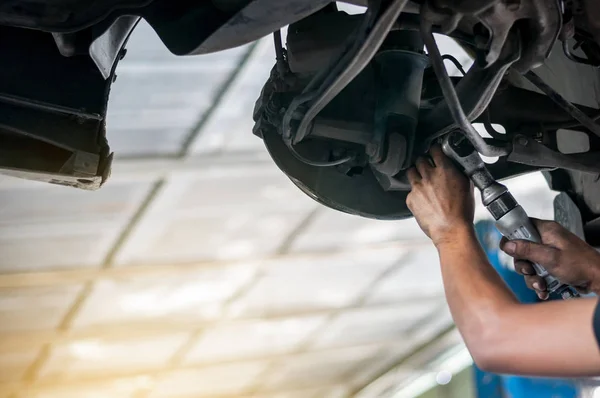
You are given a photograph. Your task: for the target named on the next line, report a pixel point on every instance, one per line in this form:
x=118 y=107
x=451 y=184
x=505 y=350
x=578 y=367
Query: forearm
x=555 y=339
x=476 y=294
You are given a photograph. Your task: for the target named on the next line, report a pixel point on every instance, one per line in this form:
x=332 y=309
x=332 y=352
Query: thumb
x=546 y=256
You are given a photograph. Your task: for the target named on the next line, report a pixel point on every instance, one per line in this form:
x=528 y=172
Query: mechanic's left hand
x=441 y=198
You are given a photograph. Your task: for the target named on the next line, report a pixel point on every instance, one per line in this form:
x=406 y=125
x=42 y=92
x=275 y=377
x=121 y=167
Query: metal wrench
x=511 y=219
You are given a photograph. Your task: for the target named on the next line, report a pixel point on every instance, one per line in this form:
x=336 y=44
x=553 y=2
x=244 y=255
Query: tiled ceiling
x=200 y=270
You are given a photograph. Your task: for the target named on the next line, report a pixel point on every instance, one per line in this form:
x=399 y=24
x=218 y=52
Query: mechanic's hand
x=562 y=253
x=441 y=198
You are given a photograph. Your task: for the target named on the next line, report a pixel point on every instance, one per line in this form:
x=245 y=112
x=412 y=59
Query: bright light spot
x=489 y=159
x=448 y=45
x=330 y=297
x=572 y=141
x=443 y=377
x=200 y=297
x=236 y=249
x=139 y=382
x=236 y=222
x=596 y=393
x=480 y=127
x=87 y=349
x=235 y=309
x=350 y=8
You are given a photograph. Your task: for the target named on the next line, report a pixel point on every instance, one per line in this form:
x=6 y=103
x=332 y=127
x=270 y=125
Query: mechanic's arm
x=503 y=336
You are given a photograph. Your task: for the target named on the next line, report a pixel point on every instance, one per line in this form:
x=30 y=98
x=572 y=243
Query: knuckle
x=552 y=258
x=554 y=227
x=551 y=228
x=522 y=248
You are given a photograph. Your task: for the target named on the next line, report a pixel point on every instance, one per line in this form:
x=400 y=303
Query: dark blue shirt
x=596 y=323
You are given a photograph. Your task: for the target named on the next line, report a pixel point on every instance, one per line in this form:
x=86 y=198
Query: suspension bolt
x=523 y=141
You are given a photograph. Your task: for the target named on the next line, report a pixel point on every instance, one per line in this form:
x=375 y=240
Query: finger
x=409 y=201
x=535 y=282
x=423 y=165
x=502 y=242
x=543 y=295
x=546 y=256
x=413 y=176
x=524 y=267
x=439 y=157
x=552 y=233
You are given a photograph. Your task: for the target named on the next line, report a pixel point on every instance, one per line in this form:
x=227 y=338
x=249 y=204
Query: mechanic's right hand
x=562 y=253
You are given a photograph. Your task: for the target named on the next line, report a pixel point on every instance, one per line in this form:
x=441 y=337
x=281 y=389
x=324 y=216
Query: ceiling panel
x=333 y=229
x=239 y=235
x=419 y=276
x=158 y=98
x=210 y=381
x=219 y=215
x=314 y=283
x=187 y=297
x=34 y=308
x=252 y=339
x=98 y=357
x=367 y=325
x=40 y=204
x=256 y=187
x=66 y=227
x=74 y=249
x=307 y=370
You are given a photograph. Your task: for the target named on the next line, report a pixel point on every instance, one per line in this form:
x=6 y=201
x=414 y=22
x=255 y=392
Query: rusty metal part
x=539 y=22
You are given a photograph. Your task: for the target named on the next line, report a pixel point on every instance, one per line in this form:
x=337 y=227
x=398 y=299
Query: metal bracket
x=528 y=151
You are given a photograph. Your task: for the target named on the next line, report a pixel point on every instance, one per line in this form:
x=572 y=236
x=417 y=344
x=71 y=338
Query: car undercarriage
x=351 y=101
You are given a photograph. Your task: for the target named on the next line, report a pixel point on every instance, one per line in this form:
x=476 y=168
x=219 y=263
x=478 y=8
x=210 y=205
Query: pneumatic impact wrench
x=511 y=219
